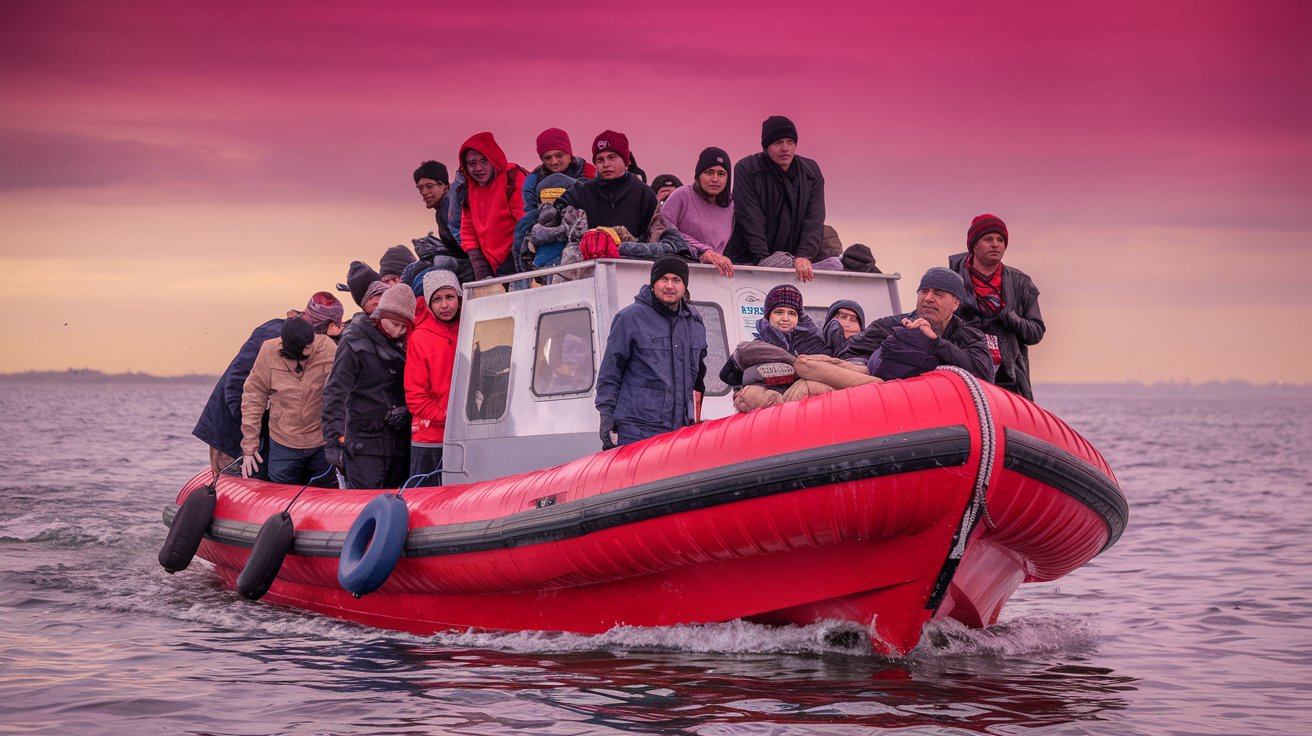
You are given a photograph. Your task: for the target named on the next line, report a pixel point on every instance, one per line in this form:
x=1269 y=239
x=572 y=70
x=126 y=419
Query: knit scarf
x=988 y=289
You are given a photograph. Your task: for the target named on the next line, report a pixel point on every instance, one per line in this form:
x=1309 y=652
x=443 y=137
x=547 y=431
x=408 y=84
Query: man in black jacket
x=616 y=197
x=366 y=424
x=779 y=202
x=1000 y=301
x=907 y=345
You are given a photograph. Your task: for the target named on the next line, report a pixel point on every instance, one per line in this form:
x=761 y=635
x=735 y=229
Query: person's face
x=371 y=304
x=445 y=304
x=848 y=321
x=782 y=152
x=394 y=329
x=556 y=161
x=783 y=319
x=478 y=168
x=936 y=305
x=389 y=278
x=713 y=180
x=664 y=193
x=610 y=165
x=669 y=289
x=431 y=191
x=334 y=329
x=989 y=250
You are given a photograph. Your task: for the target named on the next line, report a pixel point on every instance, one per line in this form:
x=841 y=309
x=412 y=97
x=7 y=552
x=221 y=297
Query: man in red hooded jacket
x=492 y=205
x=430 y=357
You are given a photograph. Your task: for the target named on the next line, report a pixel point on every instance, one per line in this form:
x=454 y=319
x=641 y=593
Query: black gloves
x=398 y=418
x=336 y=457
x=609 y=437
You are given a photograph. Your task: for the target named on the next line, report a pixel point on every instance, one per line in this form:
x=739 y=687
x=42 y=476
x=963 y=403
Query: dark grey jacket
x=775 y=212
x=1017 y=326
x=960 y=344
x=367 y=381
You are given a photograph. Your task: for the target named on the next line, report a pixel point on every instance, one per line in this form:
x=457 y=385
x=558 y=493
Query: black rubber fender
x=271 y=547
x=188 y=529
x=373 y=544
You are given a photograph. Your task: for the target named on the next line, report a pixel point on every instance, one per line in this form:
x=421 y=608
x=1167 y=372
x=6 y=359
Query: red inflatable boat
x=885 y=505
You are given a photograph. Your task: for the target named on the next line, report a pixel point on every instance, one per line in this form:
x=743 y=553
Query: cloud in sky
x=180 y=135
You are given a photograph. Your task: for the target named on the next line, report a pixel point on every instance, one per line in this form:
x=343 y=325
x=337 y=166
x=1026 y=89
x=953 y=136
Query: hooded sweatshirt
x=429 y=362
x=490 y=211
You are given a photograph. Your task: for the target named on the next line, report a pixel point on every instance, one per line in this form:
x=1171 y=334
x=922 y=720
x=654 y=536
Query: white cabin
x=525 y=374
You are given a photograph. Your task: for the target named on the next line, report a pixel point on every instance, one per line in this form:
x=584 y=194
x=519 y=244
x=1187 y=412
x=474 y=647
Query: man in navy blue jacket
x=219 y=425
x=655 y=358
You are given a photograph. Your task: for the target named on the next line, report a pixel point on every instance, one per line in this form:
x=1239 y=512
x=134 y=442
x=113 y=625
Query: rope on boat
x=324 y=474
x=978 y=506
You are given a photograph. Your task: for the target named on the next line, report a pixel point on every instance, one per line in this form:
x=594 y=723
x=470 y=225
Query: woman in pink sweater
x=703 y=211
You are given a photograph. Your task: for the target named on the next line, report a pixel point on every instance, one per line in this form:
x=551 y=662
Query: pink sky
x=173 y=174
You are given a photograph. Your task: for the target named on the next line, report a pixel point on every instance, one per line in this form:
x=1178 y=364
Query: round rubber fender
x=373 y=544
x=271 y=547
x=188 y=528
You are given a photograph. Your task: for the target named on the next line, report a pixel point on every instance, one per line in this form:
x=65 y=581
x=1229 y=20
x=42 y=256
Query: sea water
x=1196 y=622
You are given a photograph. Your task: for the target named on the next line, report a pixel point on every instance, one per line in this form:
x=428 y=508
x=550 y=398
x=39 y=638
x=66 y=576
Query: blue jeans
x=297 y=467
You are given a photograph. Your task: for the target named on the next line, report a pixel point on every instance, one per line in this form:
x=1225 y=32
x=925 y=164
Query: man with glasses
x=366 y=424
x=433 y=184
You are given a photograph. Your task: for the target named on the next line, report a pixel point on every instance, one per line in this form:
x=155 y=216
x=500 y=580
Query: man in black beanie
x=433 y=183
x=654 y=361
x=779 y=203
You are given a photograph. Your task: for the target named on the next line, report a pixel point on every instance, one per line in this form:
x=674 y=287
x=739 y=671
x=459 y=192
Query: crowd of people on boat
x=314 y=395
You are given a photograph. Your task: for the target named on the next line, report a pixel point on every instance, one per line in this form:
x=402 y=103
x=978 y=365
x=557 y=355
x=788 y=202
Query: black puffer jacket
x=776 y=211
x=367 y=381
x=1017 y=326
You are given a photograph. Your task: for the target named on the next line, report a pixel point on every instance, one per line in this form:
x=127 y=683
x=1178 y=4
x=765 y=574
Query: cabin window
x=563 y=361
x=489 y=375
x=717 y=347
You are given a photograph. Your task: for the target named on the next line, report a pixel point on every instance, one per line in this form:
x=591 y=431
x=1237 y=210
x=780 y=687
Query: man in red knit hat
x=1000 y=301
x=616 y=197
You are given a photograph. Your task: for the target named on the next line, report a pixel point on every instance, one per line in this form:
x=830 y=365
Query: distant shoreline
x=1215 y=389
x=84 y=375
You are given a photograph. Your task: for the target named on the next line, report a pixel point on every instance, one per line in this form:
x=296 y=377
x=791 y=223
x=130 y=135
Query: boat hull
x=846 y=506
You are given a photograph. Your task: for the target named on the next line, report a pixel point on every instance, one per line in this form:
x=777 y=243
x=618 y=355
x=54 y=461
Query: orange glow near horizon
x=175 y=175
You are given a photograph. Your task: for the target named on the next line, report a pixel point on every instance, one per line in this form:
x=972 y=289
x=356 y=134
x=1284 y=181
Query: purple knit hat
x=783 y=295
x=322 y=309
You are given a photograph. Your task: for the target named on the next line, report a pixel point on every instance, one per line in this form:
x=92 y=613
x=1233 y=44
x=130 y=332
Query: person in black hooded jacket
x=779 y=202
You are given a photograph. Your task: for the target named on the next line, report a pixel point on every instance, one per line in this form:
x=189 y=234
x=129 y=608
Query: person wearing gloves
x=1001 y=301
x=703 y=211
x=288 y=378
x=653 y=362
x=366 y=425
x=429 y=360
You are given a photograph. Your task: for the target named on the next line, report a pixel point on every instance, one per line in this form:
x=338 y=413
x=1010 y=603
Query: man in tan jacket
x=288 y=378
